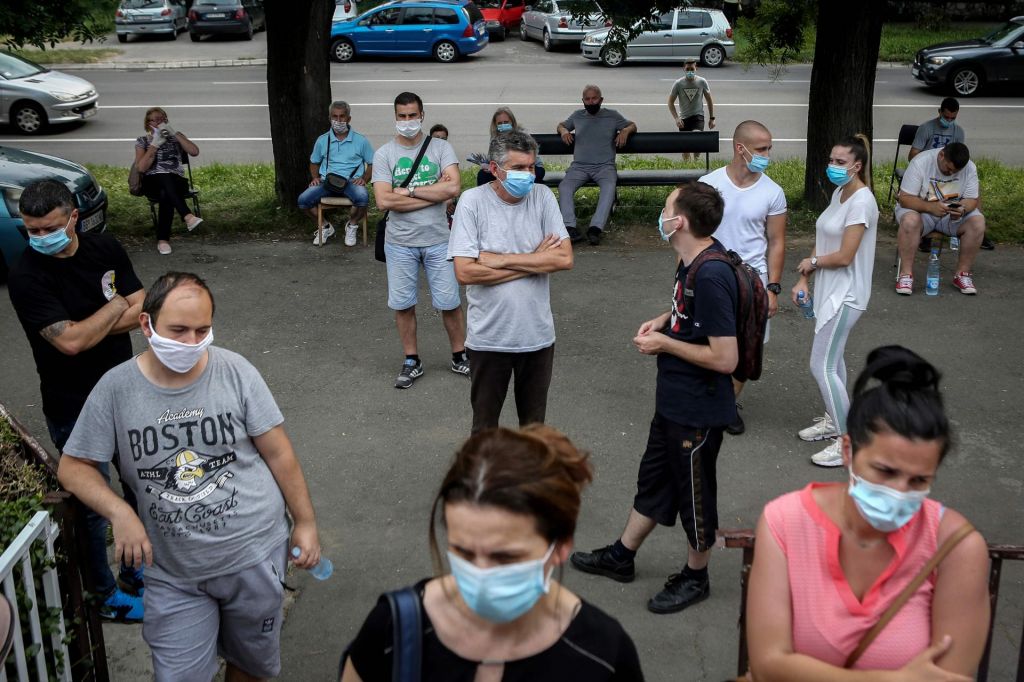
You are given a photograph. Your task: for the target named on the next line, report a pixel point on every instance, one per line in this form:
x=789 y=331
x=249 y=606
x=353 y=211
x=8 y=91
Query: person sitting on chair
x=158 y=156
x=940 y=193
x=503 y=121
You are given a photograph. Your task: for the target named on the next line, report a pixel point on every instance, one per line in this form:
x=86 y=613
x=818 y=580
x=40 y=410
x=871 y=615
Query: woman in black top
x=504 y=121
x=509 y=505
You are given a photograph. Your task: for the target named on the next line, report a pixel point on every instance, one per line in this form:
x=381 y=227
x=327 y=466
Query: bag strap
x=908 y=591
x=407 y=653
x=329 y=133
x=416 y=163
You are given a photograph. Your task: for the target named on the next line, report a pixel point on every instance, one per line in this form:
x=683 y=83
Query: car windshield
x=1002 y=32
x=222 y=3
x=15 y=67
x=578 y=7
x=141 y=4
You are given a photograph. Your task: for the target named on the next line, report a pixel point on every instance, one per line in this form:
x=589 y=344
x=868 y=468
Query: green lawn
x=238 y=200
x=85 y=55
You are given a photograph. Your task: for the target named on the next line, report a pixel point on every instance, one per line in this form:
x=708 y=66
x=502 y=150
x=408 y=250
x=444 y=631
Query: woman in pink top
x=831 y=558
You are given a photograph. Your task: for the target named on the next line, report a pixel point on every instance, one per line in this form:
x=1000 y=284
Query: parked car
x=344 y=10
x=18 y=168
x=139 y=17
x=690 y=33
x=444 y=29
x=551 y=22
x=967 y=67
x=219 y=17
x=32 y=96
x=501 y=16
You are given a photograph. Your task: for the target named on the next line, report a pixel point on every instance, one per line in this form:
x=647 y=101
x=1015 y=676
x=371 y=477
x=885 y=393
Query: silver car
x=553 y=25
x=139 y=17
x=32 y=96
x=686 y=33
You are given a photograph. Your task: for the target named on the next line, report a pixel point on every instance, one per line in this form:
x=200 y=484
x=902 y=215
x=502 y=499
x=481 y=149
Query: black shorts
x=695 y=122
x=677 y=478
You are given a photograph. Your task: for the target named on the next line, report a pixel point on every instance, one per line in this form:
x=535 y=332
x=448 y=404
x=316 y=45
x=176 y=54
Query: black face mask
x=592 y=108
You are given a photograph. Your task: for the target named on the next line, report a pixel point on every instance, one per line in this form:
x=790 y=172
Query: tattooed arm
x=71 y=338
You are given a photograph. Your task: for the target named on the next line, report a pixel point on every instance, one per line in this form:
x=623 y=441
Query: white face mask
x=177 y=356
x=408 y=128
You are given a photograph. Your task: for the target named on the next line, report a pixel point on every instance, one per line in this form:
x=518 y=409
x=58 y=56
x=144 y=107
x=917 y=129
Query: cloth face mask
x=177 y=356
x=339 y=127
x=408 y=128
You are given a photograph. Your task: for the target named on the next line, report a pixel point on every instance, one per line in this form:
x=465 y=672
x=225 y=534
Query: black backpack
x=751 y=310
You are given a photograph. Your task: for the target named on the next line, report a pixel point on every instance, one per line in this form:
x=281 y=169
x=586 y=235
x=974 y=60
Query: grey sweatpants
x=579 y=173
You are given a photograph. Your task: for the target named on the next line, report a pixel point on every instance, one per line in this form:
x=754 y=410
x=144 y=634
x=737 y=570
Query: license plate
x=92 y=221
x=89 y=113
x=481 y=30
x=216 y=15
x=913 y=71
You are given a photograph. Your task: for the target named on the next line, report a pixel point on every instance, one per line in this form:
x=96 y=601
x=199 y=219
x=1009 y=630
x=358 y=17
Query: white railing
x=40 y=528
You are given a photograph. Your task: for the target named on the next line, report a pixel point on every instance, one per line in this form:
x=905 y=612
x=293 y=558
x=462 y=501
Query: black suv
x=968 y=66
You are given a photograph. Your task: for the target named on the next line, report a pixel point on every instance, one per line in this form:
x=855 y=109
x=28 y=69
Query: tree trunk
x=842 y=85
x=298 y=87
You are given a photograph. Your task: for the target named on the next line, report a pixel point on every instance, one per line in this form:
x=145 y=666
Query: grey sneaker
x=411 y=371
x=461 y=367
x=821 y=429
x=328 y=231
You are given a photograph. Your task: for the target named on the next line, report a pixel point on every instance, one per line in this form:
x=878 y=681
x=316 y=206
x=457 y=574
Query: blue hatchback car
x=443 y=29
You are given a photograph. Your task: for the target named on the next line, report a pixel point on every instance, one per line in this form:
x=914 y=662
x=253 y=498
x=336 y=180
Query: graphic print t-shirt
x=924 y=179
x=690 y=94
x=392 y=163
x=208 y=501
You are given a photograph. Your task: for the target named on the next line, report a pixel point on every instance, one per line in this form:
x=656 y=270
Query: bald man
x=754 y=222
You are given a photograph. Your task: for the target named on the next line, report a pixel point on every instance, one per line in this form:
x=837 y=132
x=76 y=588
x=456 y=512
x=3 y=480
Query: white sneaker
x=328 y=231
x=832 y=456
x=821 y=429
x=350 y=234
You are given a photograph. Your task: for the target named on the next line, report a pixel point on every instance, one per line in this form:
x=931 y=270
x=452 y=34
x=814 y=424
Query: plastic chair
x=906 y=137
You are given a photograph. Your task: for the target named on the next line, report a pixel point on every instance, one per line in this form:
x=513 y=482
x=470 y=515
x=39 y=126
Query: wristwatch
x=774 y=287
x=814 y=262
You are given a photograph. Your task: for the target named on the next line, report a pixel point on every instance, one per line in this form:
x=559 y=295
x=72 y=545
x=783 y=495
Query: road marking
x=562 y=104
x=382 y=80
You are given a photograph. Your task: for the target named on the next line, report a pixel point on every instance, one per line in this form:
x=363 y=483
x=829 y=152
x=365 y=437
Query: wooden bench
x=697 y=142
x=744 y=539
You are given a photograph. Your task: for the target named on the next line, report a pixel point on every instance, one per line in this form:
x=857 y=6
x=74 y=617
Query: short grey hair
x=515 y=141
x=340 y=104
x=590 y=87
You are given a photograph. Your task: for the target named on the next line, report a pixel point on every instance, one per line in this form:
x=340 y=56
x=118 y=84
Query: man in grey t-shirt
x=417 y=232
x=937 y=132
x=201 y=443
x=596 y=133
x=507 y=237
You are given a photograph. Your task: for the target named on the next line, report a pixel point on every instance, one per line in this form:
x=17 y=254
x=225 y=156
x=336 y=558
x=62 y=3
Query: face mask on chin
x=177 y=356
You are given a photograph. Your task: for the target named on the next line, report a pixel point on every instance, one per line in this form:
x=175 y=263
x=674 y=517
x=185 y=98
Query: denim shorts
x=944 y=225
x=311 y=196
x=403 y=275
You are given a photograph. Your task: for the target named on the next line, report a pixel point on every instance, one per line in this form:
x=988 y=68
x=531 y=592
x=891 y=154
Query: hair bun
x=899 y=369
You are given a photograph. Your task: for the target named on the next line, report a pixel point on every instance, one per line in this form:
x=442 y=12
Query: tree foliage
x=47 y=22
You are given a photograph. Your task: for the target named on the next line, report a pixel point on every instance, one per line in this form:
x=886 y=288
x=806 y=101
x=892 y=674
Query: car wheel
x=174 y=34
x=248 y=33
x=548 y=45
x=194 y=37
x=342 y=50
x=28 y=117
x=612 y=56
x=446 y=52
x=522 y=32
x=966 y=81
x=122 y=37
x=712 y=55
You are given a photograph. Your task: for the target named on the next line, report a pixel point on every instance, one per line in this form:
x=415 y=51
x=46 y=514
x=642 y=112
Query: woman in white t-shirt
x=842 y=262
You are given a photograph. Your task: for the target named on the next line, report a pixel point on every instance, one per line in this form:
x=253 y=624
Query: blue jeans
x=312 y=195
x=96 y=524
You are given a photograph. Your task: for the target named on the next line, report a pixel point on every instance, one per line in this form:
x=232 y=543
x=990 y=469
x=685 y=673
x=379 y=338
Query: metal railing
x=39 y=529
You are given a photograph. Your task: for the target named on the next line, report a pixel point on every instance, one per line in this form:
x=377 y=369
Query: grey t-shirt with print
x=168 y=156
x=512 y=317
x=690 y=94
x=931 y=135
x=391 y=163
x=595 y=135
x=207 y=499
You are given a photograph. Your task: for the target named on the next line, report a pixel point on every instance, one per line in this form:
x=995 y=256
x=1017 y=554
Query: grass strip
x=82 y=55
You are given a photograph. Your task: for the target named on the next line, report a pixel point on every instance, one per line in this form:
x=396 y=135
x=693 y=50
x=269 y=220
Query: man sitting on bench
x=597 y=133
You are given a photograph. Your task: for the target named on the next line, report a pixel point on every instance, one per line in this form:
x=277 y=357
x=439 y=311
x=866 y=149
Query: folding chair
x=192 y=195
x=906 y=137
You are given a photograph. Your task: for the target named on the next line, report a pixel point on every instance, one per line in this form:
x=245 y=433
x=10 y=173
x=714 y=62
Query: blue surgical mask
x=944 y=122
x=501 y=594
x=504 y=127
x=883 y=507
x=757 y=163
x=53 y=243
x=518 y=183
x=661 y=226
x=690 y=75
x=838 y=175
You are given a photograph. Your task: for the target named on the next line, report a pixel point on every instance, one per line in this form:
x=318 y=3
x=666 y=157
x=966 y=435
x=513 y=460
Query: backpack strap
x=703 y=257
x=407 y=654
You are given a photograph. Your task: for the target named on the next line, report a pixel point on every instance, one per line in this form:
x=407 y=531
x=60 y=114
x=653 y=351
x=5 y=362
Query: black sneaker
x=987 y=243
x=461 y=366
x=411 y=371
x=574 y=235
x=681 y=591
x=737 y=427
x=594 y=235
x=601 y=562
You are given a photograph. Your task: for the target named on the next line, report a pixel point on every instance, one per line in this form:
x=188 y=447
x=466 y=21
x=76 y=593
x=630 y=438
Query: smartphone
x=953 y=204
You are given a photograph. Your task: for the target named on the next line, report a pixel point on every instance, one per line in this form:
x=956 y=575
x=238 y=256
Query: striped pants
x=828 y=366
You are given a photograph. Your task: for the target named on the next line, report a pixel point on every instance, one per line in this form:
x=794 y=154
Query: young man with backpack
x=698 y=347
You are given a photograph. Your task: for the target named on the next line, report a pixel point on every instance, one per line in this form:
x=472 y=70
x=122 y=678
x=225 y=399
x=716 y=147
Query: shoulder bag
x=336 y=183
x=407 y=637
x=135 y=181
x=382 y=224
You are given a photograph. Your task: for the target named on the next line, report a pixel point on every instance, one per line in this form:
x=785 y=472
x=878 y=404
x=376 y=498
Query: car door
x=535 y=17
x=655 y=43
x=512 y=13
x=690 y=33
x=375 y=34
x=415 y=33
x=1006 y=63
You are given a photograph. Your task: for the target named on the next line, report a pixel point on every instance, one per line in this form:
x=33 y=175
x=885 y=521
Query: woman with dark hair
x=508 y=505
x=834 y=557
x=504 y=121
x=842 y=262
x=158 y=156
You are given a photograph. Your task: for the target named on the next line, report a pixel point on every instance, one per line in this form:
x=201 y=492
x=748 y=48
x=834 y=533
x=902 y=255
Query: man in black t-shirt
x=77 y=297
x=697 y=353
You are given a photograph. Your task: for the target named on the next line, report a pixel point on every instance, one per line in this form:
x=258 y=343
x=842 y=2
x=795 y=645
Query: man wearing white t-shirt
x=940 y=193
x=754 y=222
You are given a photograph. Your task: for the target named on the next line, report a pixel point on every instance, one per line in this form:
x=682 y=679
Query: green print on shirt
x=427 y=174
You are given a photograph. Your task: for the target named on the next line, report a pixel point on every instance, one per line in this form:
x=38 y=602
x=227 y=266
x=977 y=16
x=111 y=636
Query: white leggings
x=828 y=366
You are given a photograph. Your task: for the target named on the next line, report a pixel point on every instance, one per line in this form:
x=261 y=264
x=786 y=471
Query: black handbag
x=336 y=183
x=382 y=224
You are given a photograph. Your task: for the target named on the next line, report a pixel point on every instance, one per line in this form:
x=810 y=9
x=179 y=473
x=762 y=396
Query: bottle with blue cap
x=805 y=304
x=323 y=569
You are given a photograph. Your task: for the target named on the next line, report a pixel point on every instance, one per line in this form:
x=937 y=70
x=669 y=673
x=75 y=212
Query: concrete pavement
x=314 y=321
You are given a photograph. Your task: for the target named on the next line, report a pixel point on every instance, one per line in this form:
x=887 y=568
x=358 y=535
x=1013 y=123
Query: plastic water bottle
x=932 y=280
x=805 y=304
x=323 y=569
x=954 y=243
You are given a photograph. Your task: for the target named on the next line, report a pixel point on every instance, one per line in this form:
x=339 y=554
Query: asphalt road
x=225 y=111
x=314 y=322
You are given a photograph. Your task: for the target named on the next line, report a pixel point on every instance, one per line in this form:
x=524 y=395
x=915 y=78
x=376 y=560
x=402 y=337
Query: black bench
x=697 y=142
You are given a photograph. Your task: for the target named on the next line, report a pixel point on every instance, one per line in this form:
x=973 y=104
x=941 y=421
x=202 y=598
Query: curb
x=140 y=66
